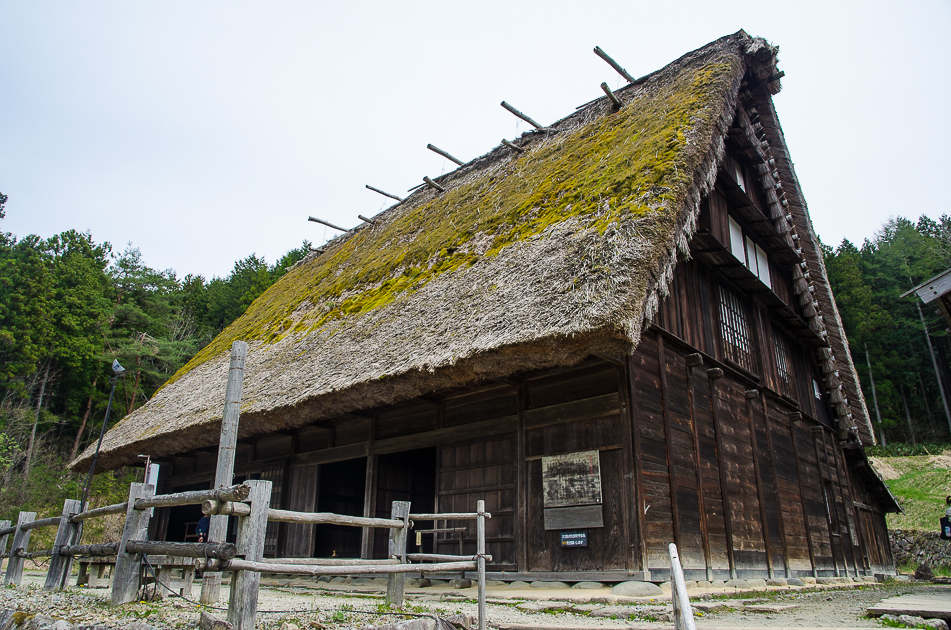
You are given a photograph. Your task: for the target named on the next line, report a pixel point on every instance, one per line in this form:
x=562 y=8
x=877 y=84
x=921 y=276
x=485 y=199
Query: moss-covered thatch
x=528 y=260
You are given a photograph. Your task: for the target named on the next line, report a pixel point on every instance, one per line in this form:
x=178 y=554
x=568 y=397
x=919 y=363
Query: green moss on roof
x=637 y=162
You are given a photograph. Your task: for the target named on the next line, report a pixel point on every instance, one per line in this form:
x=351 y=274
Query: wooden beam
x=691 y=405
x=614 y=99
x=366 y=220
x=760 y=494
x=617 y=67
x=433 y=184
x=327 y=223
x=521 y=115
x=668 y=440
x=802 y=494
x=514 y=147
x=446 y=155
x=638 y=469
x=713 y=375
x=385 y=194
x=777 y=495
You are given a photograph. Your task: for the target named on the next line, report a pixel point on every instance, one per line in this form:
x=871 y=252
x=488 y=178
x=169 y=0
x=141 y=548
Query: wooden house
x=619 y=333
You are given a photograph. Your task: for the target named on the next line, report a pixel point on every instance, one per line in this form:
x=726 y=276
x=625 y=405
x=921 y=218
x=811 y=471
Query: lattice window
x=735 y=329
x=275 y=474
x=782 y=362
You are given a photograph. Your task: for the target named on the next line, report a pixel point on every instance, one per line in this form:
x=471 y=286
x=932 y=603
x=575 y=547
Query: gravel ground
x=314 y=606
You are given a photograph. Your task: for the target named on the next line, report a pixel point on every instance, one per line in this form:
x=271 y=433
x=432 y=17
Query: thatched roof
x=528 y=260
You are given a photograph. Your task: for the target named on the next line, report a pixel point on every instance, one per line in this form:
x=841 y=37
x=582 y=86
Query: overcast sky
x=205 y=131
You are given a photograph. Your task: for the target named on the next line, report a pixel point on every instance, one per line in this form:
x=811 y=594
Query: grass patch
x=920 y=484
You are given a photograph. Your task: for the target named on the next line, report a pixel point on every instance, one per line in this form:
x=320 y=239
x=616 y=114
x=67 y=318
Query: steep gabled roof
x=527 y=260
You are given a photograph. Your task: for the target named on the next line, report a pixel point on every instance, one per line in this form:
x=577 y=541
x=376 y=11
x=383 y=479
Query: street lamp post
x=119 y=371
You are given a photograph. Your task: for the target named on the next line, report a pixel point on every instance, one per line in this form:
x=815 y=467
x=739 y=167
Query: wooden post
x=638 y=470
x=683 y=615
x=315 y=220
x=396 y=581
x=243 y=605
x=58 y=573
x=125 y=576
x=696 y=360
x=829 y=500
x=612 y=96
x=668 y=439
x=802 y=494
x=760 y=494
x=224 y=474
x=21 y=540
x=713 y=374
x=777 y=495
x=3 y=543
x=439 y=151
x=480 y=559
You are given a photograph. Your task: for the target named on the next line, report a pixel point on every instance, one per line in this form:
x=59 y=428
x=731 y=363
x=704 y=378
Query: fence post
x=58 y=573
x=480 y=559
x=126 y=574
x=3 y=544
x=683 y=615
x=224 y=474
x=243 y=604
x=21 y=540
x=396 y=581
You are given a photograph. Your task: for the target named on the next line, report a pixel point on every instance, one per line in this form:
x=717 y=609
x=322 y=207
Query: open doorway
x=341 y=491
x=408 y=476
x=182 y=519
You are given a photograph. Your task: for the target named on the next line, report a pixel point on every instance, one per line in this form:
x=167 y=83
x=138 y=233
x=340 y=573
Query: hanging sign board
x=572 y=479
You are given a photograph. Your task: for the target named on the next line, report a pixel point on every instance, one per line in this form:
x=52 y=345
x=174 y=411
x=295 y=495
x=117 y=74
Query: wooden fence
x=250 y=503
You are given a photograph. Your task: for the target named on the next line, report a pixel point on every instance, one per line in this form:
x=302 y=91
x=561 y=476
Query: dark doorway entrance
x=408 y=476
x=341 y=491
x=183 y=518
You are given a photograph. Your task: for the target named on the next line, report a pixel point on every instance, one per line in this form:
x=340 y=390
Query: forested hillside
x=68 y=307
x=887 y=336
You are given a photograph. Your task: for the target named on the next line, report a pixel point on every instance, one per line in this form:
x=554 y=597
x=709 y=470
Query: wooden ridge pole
x=385 y=194
x=328 y=224
x=446 y=155
x=433 y=184
x=611 y=95
x=512 y=146
x=617 y=67
x=521 y=115
x=224 y=474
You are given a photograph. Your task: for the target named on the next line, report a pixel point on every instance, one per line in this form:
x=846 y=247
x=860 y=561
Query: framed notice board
x=571 y=484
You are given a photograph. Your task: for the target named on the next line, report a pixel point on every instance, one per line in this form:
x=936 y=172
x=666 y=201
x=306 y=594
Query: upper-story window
x=749 y=253
x=735 y=329
x=782 y=362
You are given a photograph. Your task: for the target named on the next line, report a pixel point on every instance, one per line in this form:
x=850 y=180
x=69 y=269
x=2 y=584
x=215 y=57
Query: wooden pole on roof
x=521 y=115
x=611 y=95
x=366 y=220
x=224 y=474
x=433 y=184
x=385 y=194
x=621 y=71
x=436 y=149
x=327 y=223
x=514 y=147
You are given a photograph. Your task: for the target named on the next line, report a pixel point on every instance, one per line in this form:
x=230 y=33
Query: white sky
x=205 y=131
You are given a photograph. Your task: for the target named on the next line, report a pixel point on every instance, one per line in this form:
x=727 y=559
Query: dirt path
x=311 y=606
